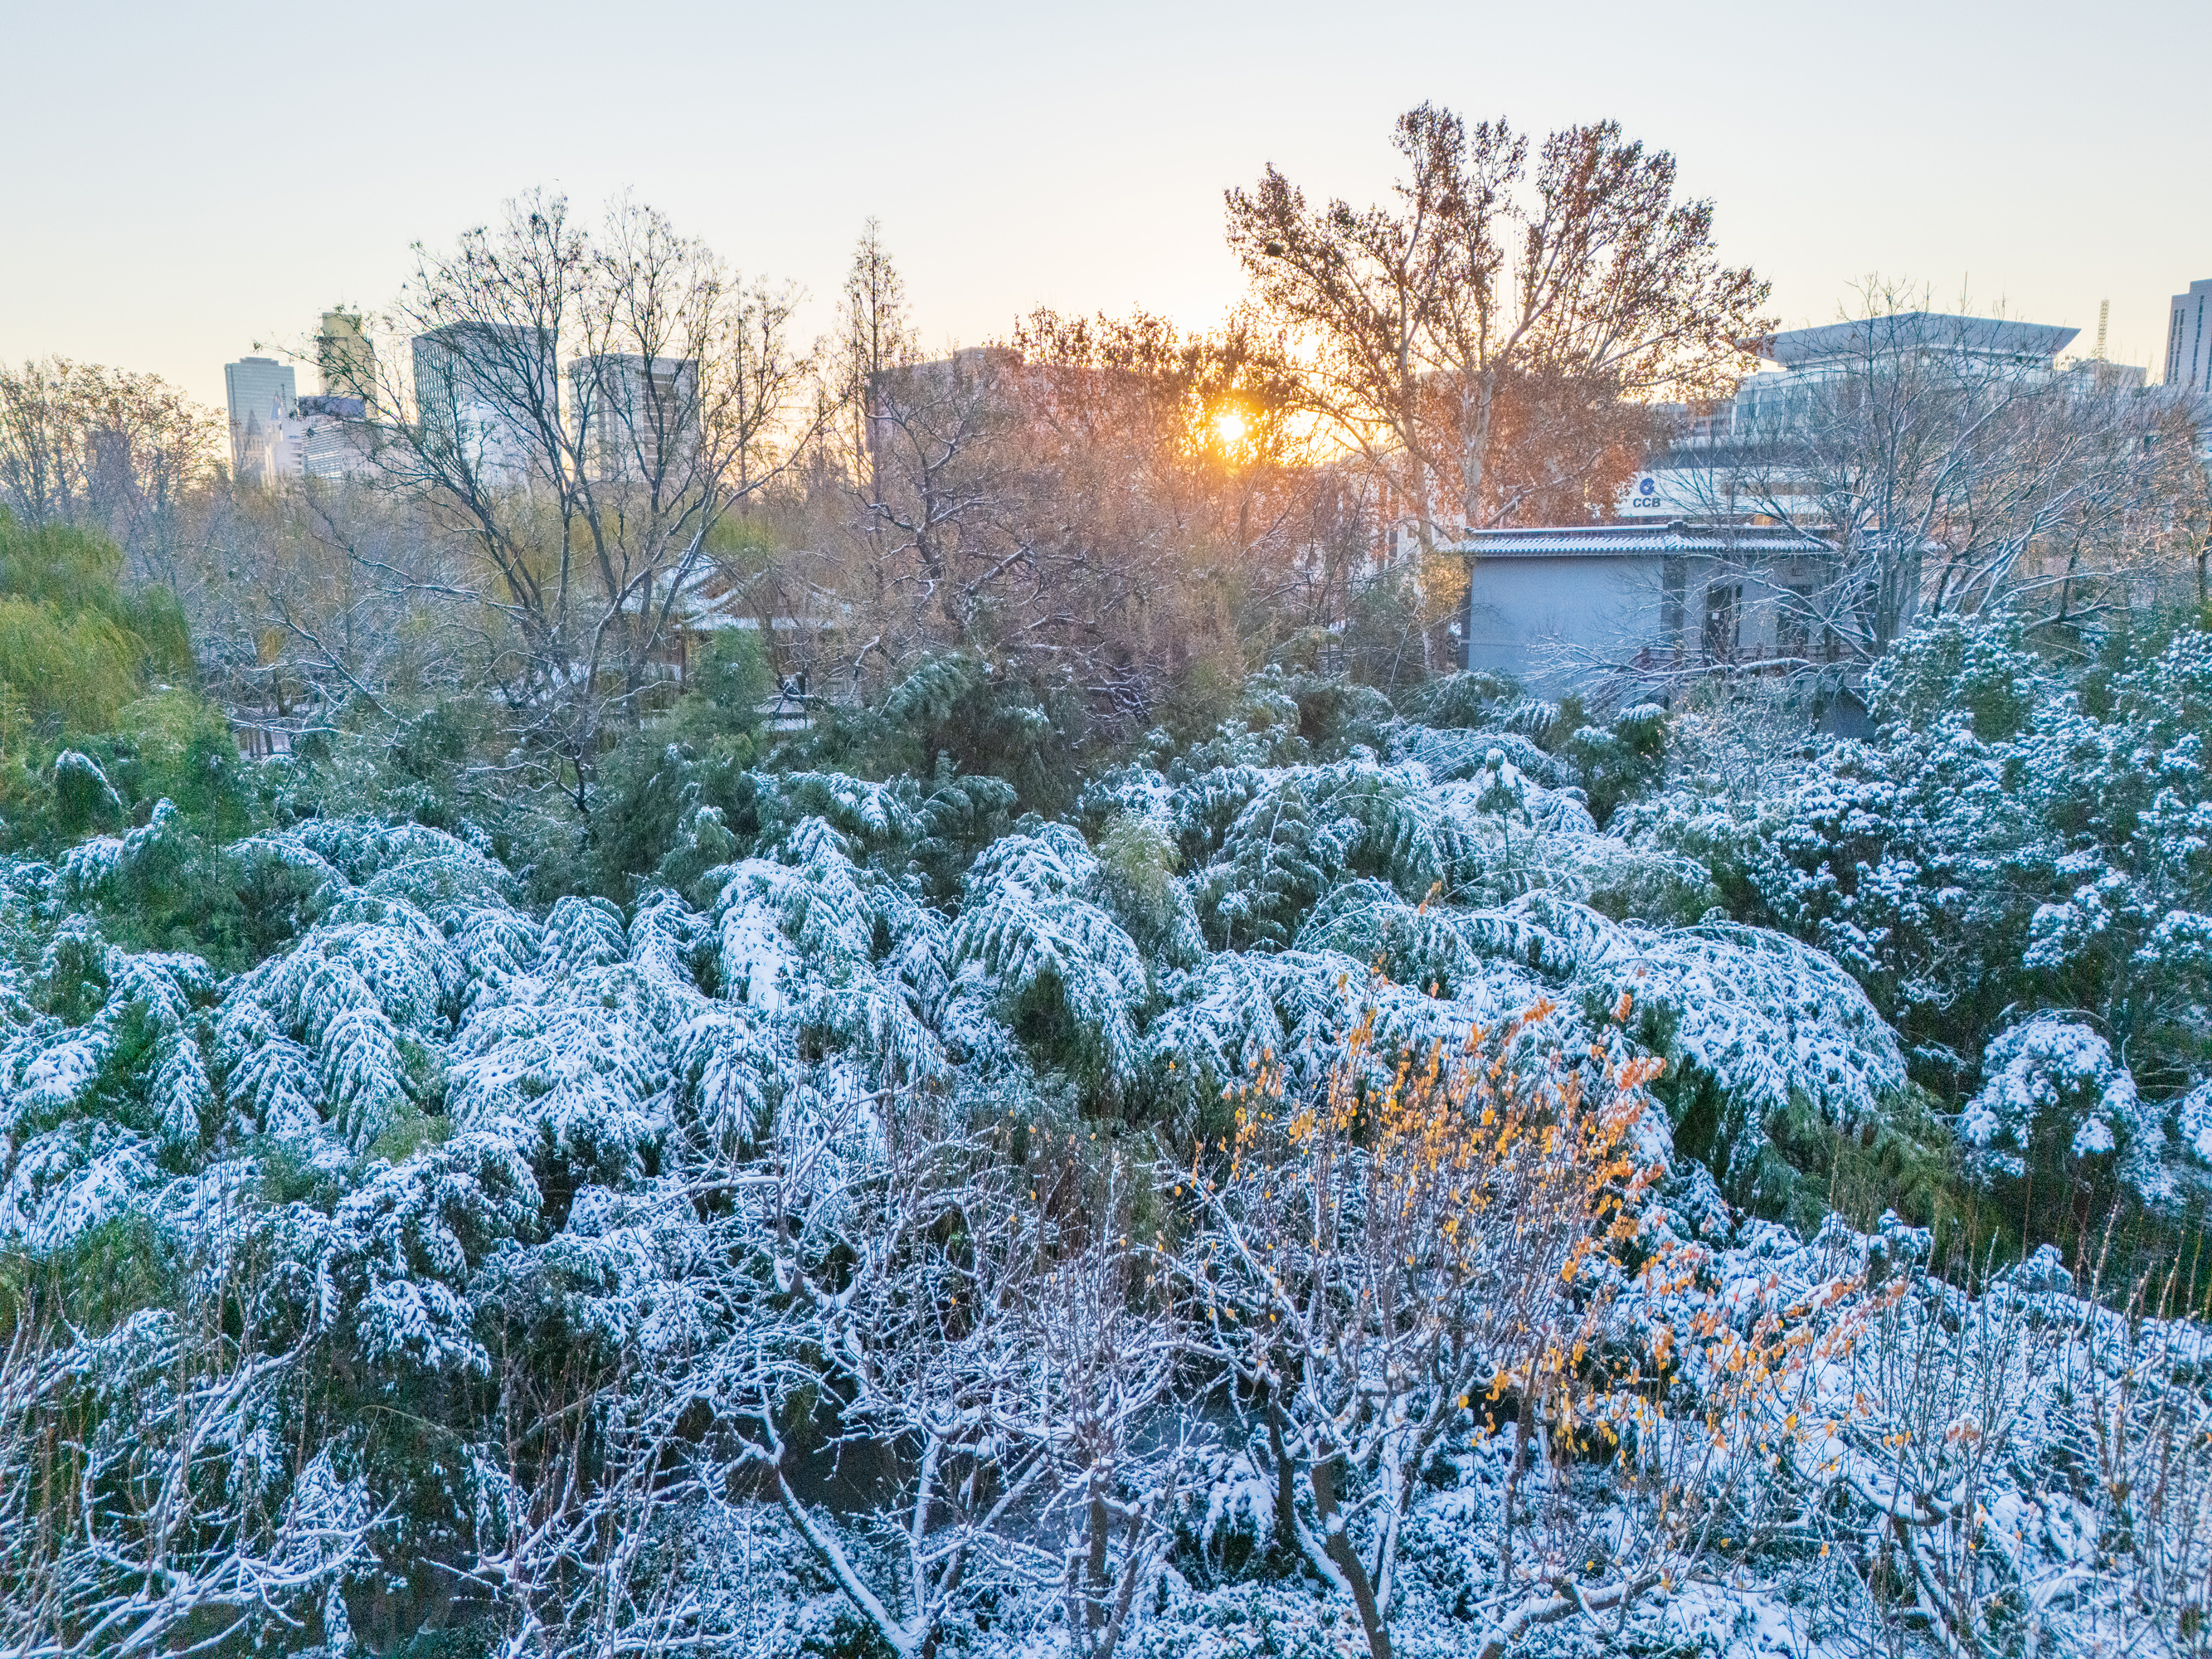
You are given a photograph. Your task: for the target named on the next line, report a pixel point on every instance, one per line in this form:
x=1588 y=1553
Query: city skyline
x=1081 y=176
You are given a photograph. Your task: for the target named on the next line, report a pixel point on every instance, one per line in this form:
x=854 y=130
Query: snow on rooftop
x=1982 y=336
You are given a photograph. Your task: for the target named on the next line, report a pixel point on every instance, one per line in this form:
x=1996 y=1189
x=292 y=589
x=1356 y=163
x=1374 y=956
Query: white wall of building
x=1558 y=623
x=2188 y=339
x=1531 y=617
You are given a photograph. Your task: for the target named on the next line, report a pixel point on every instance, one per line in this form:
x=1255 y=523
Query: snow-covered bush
x=2052 y=1083
x=1030 y=925
x=873 y=1132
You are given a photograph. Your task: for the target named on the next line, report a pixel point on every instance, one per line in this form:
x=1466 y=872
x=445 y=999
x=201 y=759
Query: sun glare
x=1230 y=427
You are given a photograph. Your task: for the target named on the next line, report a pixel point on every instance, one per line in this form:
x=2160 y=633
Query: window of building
x=1724 y=610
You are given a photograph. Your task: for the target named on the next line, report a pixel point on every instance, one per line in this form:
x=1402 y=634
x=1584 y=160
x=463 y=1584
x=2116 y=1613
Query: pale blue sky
x=182 y=181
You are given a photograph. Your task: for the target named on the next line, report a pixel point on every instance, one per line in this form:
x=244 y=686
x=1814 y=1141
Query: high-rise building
x=2189 y=340
x=263 y=394
x=482 y=393
x=346 y=358
x=640 y=415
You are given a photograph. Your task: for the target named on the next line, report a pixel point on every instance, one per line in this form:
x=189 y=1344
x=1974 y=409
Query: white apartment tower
x=641 y=416
x=483 y=391
x=2188 y=339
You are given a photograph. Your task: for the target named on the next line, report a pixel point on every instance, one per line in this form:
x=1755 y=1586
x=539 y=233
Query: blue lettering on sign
x=1646 y=486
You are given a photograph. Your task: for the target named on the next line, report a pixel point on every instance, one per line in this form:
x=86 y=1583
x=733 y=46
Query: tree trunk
x=1512 y=1489
x=1338 y=1542
x=1474 y=446
x=1287 y=1521
x=1094 y=1603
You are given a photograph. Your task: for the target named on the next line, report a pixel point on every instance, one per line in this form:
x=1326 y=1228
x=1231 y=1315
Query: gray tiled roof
x=1616 y=541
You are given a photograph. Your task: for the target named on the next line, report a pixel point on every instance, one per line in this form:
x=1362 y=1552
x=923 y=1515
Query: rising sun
x=1230 y=427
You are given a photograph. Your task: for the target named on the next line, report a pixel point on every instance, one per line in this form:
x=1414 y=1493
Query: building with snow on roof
x=1558 y=606
x=1728 y=550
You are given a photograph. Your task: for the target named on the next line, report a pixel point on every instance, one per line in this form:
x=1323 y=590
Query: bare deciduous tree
x=1098 y=505
x=902 y=1280
x=1108 y=1340
x=123 y=453
x=1931 y=470
x=951 y=1377
x=1378 y=1261
x=586 y=409
x=1483 y=282
x=1431 y=1242
x=877 y=336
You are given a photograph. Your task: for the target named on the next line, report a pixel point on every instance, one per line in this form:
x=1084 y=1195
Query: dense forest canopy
x=1135 y=1108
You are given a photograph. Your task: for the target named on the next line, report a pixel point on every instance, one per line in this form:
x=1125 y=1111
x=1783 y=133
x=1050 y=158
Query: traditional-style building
x=1558 y=604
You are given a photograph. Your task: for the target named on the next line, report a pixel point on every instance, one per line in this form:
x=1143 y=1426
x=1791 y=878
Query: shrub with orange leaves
x=1392 y=1259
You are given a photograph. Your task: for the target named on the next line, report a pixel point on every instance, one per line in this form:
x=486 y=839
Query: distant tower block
x=346 y=358
x=2103 y=316
x=261 y=395
x=2188 y=344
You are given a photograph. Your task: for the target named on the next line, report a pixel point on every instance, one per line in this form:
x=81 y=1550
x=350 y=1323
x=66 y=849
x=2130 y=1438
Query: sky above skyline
x=186 y=182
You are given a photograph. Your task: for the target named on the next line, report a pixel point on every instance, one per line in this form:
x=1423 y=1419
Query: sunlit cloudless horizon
x=185 y=183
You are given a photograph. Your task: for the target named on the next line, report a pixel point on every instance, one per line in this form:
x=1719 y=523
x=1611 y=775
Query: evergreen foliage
x=836 y=1138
